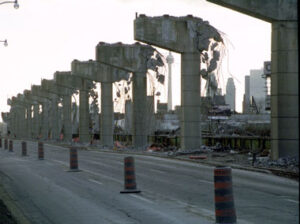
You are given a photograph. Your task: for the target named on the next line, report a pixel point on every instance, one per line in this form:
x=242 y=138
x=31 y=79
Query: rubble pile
x=288 y=163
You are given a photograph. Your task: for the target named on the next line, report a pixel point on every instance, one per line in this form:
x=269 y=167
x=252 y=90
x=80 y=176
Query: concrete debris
x=289 y=163
x=118 y=145
x=154 y=148
x=198 y=157
x=160 y=78
x=189 y=152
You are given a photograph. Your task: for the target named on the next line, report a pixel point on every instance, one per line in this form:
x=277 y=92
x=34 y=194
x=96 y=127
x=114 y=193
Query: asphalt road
x=172 y=191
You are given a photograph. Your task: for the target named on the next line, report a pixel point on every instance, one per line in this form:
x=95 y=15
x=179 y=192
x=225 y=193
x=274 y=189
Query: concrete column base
x=67 y=123
x=106 y=115
x=284 y=90
x=139 y=97
x=190 y=101
x=84 y=135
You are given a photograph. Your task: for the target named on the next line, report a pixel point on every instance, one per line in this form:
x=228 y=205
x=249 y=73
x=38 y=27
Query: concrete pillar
x=21 y=123
x=15 y=124
x=150 y=119
x=284 y=90
x=12 y=120
x=29 y=121
x=45 y=120
x=107 y=113
x=188 y=36
x=18 y=122
x=95 y=71
x=67 y=123
x=190 y=101
x=84 y=135
x=128 y=117
x=135 y=58
x=139 y=98
x=36 y=123
x=54 y=118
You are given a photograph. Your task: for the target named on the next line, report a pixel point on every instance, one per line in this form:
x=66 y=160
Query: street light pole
x=4 y=42
x=16 y=4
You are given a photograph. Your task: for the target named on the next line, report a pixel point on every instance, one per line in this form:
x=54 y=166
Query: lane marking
x=141 y=198
x=95 y=181
x=60 y=162
x=206 y=181
x=102 y=164
x=291 y=200
x=158 y=171
x=102 y=175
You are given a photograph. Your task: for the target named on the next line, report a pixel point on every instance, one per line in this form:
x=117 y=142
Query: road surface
x=173 y=191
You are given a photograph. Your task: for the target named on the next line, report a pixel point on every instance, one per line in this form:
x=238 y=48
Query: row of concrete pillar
x=114 y=62
x=193 y=38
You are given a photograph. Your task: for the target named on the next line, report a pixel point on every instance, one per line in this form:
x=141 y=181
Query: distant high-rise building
x=246 y=100
x=255 y=92
x=257 y=89
x=230 y=94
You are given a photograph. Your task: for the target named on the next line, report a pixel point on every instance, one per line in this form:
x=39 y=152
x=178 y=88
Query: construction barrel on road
x=41 y=150
x=129 y=176
x=24 y=149
x=11 y=147
x=224 y=204
x=73 y=159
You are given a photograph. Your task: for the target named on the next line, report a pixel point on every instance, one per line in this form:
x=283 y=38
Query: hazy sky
x=44 y=36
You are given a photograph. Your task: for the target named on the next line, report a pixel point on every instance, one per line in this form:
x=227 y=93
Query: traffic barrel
x=129 y=176
x=73 y=159
x=40 y=150
x=5 y=143
x=11 y=146
x=24 y=149
x=0 y=142
x=224 y=204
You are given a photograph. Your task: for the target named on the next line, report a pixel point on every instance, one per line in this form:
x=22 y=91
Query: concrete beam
x=66 y=79
x=66 y=94
x=74 y=83
x=135 y=58
x=36 y=120
x=179 y=34
x=95 y=71
x=54 y=116
x=37 y=91
x=267 y=10
x=189 y=36
x=98 y=72
x=51 y=87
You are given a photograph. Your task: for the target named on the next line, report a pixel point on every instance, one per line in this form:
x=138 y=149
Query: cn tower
x=170 y=61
